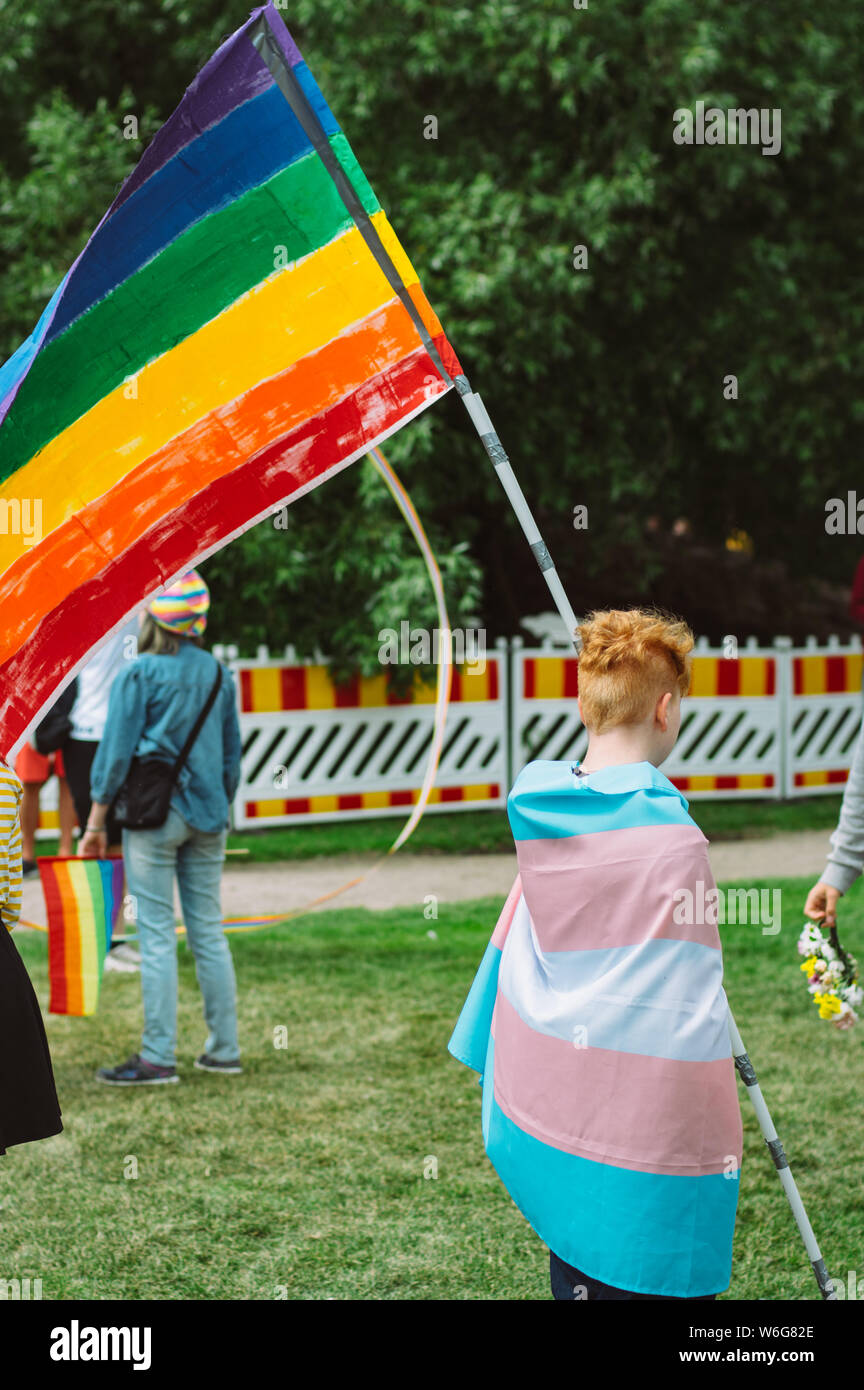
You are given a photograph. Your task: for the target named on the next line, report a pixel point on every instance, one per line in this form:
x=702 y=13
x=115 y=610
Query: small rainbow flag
x=242 y=324
x=83 y=898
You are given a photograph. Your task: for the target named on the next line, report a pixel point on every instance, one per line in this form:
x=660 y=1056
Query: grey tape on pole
x=823 y=1278
x=264 y=41
x=746 y=1070
x=495 y=449
x=542 y=556
x=778 y=1153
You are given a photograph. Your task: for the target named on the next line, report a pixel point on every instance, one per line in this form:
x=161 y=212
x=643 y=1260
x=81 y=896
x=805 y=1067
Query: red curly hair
x=628 y=659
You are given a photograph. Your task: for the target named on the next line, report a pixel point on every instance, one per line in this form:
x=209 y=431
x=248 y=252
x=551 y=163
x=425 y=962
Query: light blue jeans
x=151 y=858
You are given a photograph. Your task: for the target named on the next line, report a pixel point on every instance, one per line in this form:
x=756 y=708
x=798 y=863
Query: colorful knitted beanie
x=182 y=608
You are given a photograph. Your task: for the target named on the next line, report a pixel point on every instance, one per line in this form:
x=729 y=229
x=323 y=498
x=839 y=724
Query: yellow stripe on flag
x=320 y=296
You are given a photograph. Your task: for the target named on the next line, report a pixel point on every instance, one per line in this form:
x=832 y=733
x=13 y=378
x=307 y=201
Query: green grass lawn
x=305 y=1177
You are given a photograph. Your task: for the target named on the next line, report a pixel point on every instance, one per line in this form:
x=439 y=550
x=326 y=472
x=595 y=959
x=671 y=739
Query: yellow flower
x=828 y=1004
x=808 y=965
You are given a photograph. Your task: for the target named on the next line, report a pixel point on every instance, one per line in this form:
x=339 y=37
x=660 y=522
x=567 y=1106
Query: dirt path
x=408 y=880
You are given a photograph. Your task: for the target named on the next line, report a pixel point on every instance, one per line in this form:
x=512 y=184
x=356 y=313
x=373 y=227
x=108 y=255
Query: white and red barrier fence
x=778 y=721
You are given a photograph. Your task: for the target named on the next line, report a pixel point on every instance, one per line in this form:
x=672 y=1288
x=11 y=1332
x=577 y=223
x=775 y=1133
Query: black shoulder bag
x=52 y=731
x=143 y=800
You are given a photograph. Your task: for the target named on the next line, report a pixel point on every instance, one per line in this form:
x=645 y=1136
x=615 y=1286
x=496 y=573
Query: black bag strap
x=196 y=727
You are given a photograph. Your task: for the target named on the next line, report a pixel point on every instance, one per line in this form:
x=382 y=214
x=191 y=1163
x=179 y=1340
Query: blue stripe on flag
x=471 y=1034
x=604 y=1220
x=249 y=146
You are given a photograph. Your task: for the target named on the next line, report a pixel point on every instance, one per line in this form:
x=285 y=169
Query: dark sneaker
x=207 y=1063
x=29 y=868
x=137 y=1072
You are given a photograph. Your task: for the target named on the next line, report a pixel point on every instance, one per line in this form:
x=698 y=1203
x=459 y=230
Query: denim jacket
x=151 y=710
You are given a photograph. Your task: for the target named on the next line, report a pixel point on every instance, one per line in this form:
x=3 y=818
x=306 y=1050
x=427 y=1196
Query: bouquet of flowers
x=832 y=975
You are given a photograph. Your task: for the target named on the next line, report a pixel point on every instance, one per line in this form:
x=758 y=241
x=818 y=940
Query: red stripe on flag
x=302 y=459
x=400 y=799
x=58 y=1002
x=452 y=794
x=350 y=802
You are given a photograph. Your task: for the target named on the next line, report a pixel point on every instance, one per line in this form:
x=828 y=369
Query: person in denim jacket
x=153 y=706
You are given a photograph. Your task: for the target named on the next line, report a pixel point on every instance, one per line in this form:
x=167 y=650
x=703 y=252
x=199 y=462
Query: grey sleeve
x=846 y=860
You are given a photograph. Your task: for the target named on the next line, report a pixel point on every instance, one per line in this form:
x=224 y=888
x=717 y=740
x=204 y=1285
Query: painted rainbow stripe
x=83 y=898
x=226 y=341
x=598 y=1022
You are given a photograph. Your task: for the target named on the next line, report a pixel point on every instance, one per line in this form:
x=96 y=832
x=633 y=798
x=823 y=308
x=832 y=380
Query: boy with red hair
x=598 y=1019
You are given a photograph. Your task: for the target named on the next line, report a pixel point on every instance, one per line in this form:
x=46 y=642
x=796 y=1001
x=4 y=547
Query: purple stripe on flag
x=234 y=75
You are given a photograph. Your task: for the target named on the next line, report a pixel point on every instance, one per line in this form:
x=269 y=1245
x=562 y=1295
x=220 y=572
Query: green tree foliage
x=554 y=130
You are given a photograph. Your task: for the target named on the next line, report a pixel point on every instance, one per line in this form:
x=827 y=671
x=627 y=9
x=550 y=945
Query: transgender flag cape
x=598 y=1023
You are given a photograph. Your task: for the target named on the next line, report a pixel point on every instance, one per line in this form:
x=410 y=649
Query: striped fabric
x=83 y=898
x=11 y=884
x=598 y=1022
x=183 y=607
x=225 y=342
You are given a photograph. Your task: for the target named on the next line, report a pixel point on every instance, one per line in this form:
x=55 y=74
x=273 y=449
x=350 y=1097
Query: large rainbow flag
x=83 y=898
x=242 y=324
x=599 y=1025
